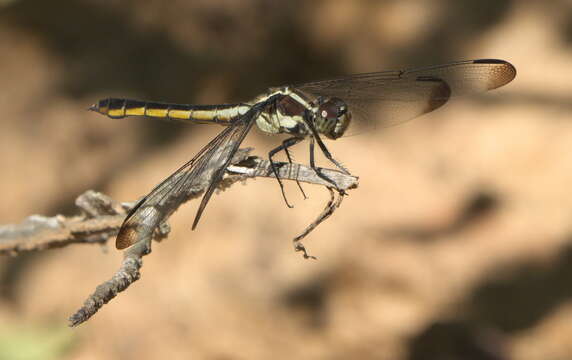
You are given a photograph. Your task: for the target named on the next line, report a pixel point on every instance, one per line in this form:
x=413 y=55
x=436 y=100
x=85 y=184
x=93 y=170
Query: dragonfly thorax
x=291 y=111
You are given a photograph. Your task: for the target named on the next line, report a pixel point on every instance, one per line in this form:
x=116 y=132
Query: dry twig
x=101 y=217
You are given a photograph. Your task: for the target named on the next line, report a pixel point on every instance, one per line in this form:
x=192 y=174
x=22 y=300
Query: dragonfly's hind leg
x=285 y=145
x=290 y=162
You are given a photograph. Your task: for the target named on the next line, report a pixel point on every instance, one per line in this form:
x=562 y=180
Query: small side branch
x=331 y=206
x=127 y=274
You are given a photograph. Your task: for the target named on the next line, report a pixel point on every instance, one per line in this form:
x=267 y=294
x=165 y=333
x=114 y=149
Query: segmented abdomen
x=119 y=108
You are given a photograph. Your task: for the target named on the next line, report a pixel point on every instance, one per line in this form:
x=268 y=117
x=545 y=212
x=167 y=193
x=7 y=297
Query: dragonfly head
x=333 y=117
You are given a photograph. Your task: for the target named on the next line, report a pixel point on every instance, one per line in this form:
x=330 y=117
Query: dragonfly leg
x=317 y=170
x=285 y=145
x=290 y=161
x=329 y=156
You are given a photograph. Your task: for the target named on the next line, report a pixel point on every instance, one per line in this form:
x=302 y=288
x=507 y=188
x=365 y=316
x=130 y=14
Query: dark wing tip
x=127 y=236
x=500 y=73
x=490 y=61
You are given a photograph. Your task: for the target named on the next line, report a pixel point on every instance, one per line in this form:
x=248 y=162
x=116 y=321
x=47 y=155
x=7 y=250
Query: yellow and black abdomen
x=120 y=108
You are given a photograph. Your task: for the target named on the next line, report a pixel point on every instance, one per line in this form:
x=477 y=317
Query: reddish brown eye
x=332 y=108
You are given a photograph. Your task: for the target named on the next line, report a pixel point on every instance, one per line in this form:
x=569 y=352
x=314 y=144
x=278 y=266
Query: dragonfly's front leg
x=329 y=157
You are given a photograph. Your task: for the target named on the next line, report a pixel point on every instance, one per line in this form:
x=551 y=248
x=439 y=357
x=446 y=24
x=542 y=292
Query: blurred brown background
x=456 y=245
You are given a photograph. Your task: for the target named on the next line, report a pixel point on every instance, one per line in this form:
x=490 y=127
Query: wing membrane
x=392 y=97
x=207 y=167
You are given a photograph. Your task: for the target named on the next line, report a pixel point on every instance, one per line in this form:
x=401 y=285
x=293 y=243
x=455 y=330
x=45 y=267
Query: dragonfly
x=314 y=110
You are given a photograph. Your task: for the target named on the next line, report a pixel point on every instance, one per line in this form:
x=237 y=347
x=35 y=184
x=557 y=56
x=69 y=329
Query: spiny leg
x=285 y=145
x=313 y=164
x=291 y=164
x=318 y=171
x=329 y=155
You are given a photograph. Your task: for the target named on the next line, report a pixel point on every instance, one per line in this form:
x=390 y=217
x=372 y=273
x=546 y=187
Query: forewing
x=392 y=97
x=207 y=167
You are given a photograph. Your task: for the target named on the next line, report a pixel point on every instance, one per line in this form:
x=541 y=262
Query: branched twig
x=95 y=225
x=101 y=217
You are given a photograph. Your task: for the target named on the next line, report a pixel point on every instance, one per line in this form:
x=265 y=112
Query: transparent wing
x=392 y=97
x=207 y=167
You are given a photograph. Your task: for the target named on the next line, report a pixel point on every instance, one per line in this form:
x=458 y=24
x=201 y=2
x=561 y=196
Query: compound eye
x=333 y=109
